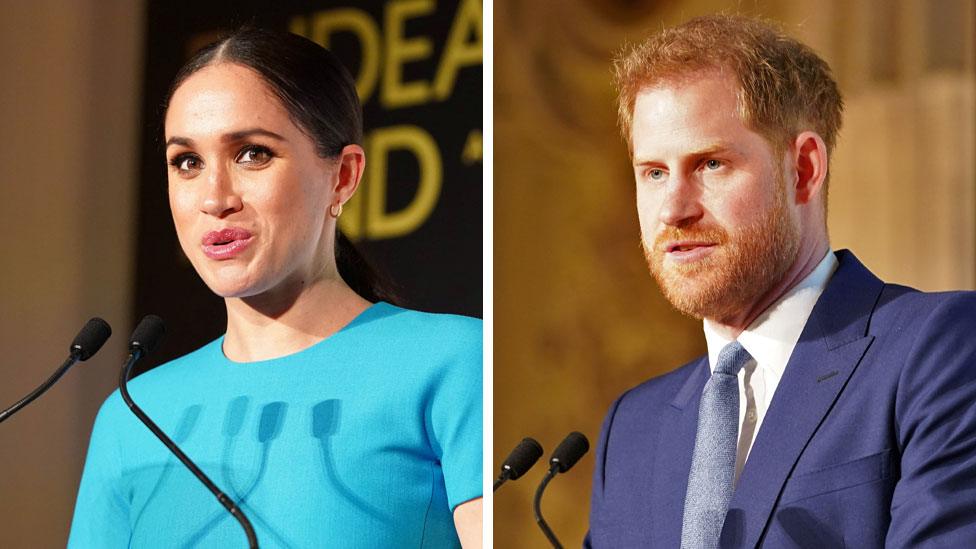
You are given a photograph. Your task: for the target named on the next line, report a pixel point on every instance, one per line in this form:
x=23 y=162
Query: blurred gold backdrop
x=577 y=318
x=69 y=145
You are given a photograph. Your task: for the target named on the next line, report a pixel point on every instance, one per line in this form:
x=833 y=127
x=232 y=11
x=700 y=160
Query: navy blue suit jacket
x=869 y=441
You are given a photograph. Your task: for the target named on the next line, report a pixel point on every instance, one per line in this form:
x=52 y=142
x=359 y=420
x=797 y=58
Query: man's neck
x=806 y=261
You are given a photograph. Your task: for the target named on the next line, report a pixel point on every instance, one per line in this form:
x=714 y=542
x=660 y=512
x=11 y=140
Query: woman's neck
x=274 y=325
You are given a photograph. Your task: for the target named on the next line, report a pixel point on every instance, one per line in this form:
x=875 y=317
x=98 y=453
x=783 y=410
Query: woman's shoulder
x=427 y=340
x=421 y=325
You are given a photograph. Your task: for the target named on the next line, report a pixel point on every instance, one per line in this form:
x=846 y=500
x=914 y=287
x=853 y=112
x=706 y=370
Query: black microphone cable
x=88 y=341
x=144 y=339
x=569 y=451
x=522 y=458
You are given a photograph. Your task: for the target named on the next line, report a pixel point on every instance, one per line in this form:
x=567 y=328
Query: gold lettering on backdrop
x=385 y=52
x=459 y=52
x=383 y=224
x=359 y=23
x=401 y=50
x=372 y=218
x=299 y=25
x=472 y=151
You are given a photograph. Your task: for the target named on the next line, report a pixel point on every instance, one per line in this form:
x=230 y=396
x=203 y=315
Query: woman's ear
x=351 y=163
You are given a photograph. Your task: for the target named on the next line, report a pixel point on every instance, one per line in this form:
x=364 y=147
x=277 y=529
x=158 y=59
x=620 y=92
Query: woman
x=332 y=420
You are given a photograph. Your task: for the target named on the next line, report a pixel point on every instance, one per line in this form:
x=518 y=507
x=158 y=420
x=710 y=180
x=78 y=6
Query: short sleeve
x=455 y=412
x=101 y=518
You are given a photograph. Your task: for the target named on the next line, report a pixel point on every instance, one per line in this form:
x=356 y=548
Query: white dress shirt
x=770 y=340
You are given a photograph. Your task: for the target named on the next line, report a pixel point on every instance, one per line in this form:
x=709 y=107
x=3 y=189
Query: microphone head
x=147 y=334
x=569 y=451
x=91 y=338
x=522 y=458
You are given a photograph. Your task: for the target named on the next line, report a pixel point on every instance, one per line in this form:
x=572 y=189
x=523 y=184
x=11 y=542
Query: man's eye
x=656 y=174
x=254 y=155
x=713 y=164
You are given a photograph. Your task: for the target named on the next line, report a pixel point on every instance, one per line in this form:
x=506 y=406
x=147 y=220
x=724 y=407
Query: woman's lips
x=225 y=243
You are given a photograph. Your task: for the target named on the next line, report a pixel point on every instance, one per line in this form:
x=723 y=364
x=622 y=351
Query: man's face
x=716 y=219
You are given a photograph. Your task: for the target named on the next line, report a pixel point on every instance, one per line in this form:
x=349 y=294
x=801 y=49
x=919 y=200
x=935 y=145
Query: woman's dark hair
x=320 y=97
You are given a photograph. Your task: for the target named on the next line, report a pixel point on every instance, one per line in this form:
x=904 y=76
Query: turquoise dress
x=369 y=438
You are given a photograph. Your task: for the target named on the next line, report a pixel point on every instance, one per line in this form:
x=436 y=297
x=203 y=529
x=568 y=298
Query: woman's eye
x=254 y=155
x=656 y=174
x=186 y=163
x=713 y=164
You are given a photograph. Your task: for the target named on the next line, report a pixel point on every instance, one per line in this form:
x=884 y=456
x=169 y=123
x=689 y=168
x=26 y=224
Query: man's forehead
x=711 y=84
x=696 y=114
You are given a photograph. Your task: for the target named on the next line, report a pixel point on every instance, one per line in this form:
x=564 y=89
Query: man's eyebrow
x=718 y=147
x=715 y=148
x=228 y=137
x=708 y=150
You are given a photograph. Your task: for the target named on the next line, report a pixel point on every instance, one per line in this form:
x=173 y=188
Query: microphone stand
x=502 y=478
x=135 y=353
x=537 y=506
x=72 y=359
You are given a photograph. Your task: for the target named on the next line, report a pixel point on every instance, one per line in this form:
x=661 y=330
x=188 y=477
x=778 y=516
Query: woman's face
x=249 y=195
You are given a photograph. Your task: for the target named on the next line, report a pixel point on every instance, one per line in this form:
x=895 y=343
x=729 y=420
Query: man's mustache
x=669 y=234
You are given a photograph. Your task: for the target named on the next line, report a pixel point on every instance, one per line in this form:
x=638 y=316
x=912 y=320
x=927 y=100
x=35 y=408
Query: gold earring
x=336 y=210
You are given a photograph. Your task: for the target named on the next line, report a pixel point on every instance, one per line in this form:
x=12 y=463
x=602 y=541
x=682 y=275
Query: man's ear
x=810 y=159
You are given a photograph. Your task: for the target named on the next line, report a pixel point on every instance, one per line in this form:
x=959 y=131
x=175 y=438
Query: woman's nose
x=221 y=198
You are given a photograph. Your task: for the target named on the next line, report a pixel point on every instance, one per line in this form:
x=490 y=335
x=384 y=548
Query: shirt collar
x=770 y=338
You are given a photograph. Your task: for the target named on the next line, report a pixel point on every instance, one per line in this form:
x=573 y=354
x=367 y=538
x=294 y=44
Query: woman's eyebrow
x=227 y=137
x=177 y=140
x=239 y=135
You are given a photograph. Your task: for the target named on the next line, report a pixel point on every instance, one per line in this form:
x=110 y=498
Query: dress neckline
x=366 y=315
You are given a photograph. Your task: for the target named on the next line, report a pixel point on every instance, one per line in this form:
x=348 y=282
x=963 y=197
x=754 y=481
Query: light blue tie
x=713 y=462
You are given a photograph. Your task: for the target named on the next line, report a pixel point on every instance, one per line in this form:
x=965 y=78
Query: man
x=832 y=409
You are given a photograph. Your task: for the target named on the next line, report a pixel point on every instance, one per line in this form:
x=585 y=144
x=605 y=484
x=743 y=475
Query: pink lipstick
x=225 y=243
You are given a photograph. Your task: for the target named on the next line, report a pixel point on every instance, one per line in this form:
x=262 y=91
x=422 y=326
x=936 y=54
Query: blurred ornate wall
x=577 y=318
x=69 y=95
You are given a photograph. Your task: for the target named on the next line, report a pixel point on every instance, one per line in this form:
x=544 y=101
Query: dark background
x=435 y=267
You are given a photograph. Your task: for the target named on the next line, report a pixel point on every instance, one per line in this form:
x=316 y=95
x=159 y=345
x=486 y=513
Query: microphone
x=88 y=341
x=145 y=338
x=522 y=458
x=569 y=451
x=147 y=335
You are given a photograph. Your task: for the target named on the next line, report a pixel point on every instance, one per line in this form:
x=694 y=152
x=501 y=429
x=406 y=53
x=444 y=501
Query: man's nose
x=221 y=198
x=682 y=202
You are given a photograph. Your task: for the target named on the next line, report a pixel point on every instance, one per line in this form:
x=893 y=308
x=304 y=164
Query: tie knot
x=732 y=358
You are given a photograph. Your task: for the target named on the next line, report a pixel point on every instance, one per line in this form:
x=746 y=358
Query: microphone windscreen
x=147 y=334
x=91 y=338
x=522 y=458
x=569 y=451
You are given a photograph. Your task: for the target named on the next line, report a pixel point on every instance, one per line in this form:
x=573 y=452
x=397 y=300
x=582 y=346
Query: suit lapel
x=831 y=346
x=672 y=462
